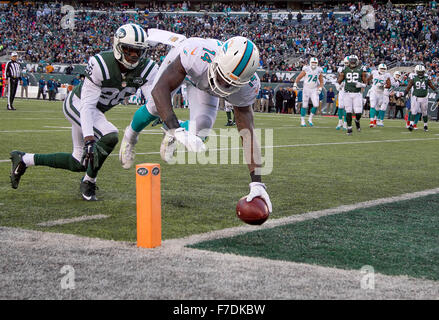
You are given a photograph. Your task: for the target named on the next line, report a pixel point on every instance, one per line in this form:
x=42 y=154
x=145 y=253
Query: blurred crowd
x=400 y=34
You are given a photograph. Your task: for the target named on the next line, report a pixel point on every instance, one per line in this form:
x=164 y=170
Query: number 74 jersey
x=311 y=79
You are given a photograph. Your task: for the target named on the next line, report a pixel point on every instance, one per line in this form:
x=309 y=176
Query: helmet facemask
x=130 y=55
x=219 y=83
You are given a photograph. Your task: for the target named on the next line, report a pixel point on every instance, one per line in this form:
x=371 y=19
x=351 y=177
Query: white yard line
x=71 y=220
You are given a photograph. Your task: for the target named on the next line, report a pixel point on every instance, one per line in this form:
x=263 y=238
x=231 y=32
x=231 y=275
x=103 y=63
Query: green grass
x=201 y=198
x=399 y=238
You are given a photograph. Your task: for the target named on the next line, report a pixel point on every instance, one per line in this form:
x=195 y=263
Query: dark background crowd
x=401 y=34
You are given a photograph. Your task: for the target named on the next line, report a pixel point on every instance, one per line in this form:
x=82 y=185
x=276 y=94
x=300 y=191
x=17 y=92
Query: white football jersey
x=340 y=70
x=196 y=54
x=379 y=80
x=311 y=79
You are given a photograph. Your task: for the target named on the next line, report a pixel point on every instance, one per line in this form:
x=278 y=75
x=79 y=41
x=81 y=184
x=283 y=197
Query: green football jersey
x=351 y=76
x=103 y=70
x=420 y=86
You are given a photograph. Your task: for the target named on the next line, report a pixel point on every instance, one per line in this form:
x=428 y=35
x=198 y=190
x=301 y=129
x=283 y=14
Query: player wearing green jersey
x=355 y=78
x=419 y=100
x=111 y=76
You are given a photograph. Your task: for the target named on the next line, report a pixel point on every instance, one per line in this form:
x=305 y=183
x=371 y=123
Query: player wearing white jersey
x=340 y=88
x=312 y=87
x=212 y=70
x=379 y=95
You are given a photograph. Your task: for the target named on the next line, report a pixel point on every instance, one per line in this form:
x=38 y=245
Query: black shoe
x=18 y=167
x=88 y=190
x=349 y=132
x=357 y=124
x=410 y=128
x=229 y=124
x=426 y=128
x=233 y=123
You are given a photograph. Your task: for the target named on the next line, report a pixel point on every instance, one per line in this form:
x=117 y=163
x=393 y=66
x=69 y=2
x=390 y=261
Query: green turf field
x=314 y=168
x=399 y=238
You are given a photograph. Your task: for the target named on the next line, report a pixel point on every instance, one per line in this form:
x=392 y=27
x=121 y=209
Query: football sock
x=340 y=113
x=372 y=113
x=87 y=178
x=357 y=117
x=417 y=117
x=229 y=116
x=425 y=119
x=349 y=119
x=59 y=160
x=28 y=159
x=303 y=112
x=141 y=119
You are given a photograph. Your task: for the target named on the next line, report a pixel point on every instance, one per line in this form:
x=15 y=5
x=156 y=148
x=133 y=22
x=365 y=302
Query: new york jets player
x=355 y=79
x=110 y=77
x=381 y=84
x=340 y=88
x=312 y=87
x=419 y=100
x=212 y=70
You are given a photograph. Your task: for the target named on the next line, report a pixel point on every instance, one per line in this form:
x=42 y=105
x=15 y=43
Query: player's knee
x=109 y=141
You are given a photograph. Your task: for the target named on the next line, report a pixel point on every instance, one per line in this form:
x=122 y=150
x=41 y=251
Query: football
x=254 y=212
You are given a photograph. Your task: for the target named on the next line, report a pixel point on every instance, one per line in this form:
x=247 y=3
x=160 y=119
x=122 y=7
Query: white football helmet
x=346 y=61
x=397 y=75
x=353 y=61
x=420 y=70
x=233 y=67
x=129 y=38
x=314 y=63
x=382 y=69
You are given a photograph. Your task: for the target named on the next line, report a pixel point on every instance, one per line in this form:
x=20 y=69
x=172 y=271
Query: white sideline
x=71 y=220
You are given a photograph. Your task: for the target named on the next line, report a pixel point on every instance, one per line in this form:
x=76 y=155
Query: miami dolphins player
x=355 y=79
x=111 y=76
x=212 y=69
x=340 y=88
x=381 y=84
x=312 y=87
x=419 y=100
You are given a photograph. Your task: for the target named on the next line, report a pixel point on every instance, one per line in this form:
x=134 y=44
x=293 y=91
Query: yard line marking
x=57 y=127
x=294 y=145
x=29 y=131
x=72 y=220
x=234 y=231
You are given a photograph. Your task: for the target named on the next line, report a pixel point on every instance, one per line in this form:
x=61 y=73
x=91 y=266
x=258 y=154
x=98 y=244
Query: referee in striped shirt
x=13 y=72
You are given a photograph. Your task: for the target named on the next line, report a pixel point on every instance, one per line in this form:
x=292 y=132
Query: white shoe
x=126 y=153
x=168 y=147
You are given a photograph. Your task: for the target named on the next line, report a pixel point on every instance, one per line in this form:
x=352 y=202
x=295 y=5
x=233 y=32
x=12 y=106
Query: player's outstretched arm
x=409 y=86
x=169 y=80
x=340 y=78
x=252 y=152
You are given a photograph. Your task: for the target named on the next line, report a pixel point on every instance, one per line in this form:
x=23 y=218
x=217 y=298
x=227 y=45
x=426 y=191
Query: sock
x=340 y=114
x=372 y=113
x=59 y=160
x=417 y=117
x=357 y=117
x=233 y=111
x=184 y=124
x=349 y=119
x=425 y=119
x=132 y=135
x=310 y=117
x=303 y=113
x=313 y=110
x=87 y=178
x=28 y=159
x=382 y=114
x=229 y=116
x=141 y=119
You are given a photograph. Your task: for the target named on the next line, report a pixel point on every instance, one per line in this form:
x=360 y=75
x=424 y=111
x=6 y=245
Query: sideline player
x=341 y=109
x=312 y=87
x=111 y=76
x=212 y=70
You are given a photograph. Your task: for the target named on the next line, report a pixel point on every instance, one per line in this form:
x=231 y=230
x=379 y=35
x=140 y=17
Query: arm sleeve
x=147 y=86
x=90 y=93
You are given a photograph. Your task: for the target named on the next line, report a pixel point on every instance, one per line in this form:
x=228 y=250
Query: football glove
x=189 y=140
x=320 y=90
x=295 y=86
x=91 y=153
x=257 y=189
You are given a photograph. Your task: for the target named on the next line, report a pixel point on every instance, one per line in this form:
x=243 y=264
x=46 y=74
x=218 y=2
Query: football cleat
x=410 y=128
x=168 y=147
x=380 y=124
x=415 y=127
x=310 y=124
x=338 y=128
x=349 y=132
x=229 y=124
x=88 y=190
x=18 y=167
x=426 y=128
x=126 y=153
x=371 y=124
